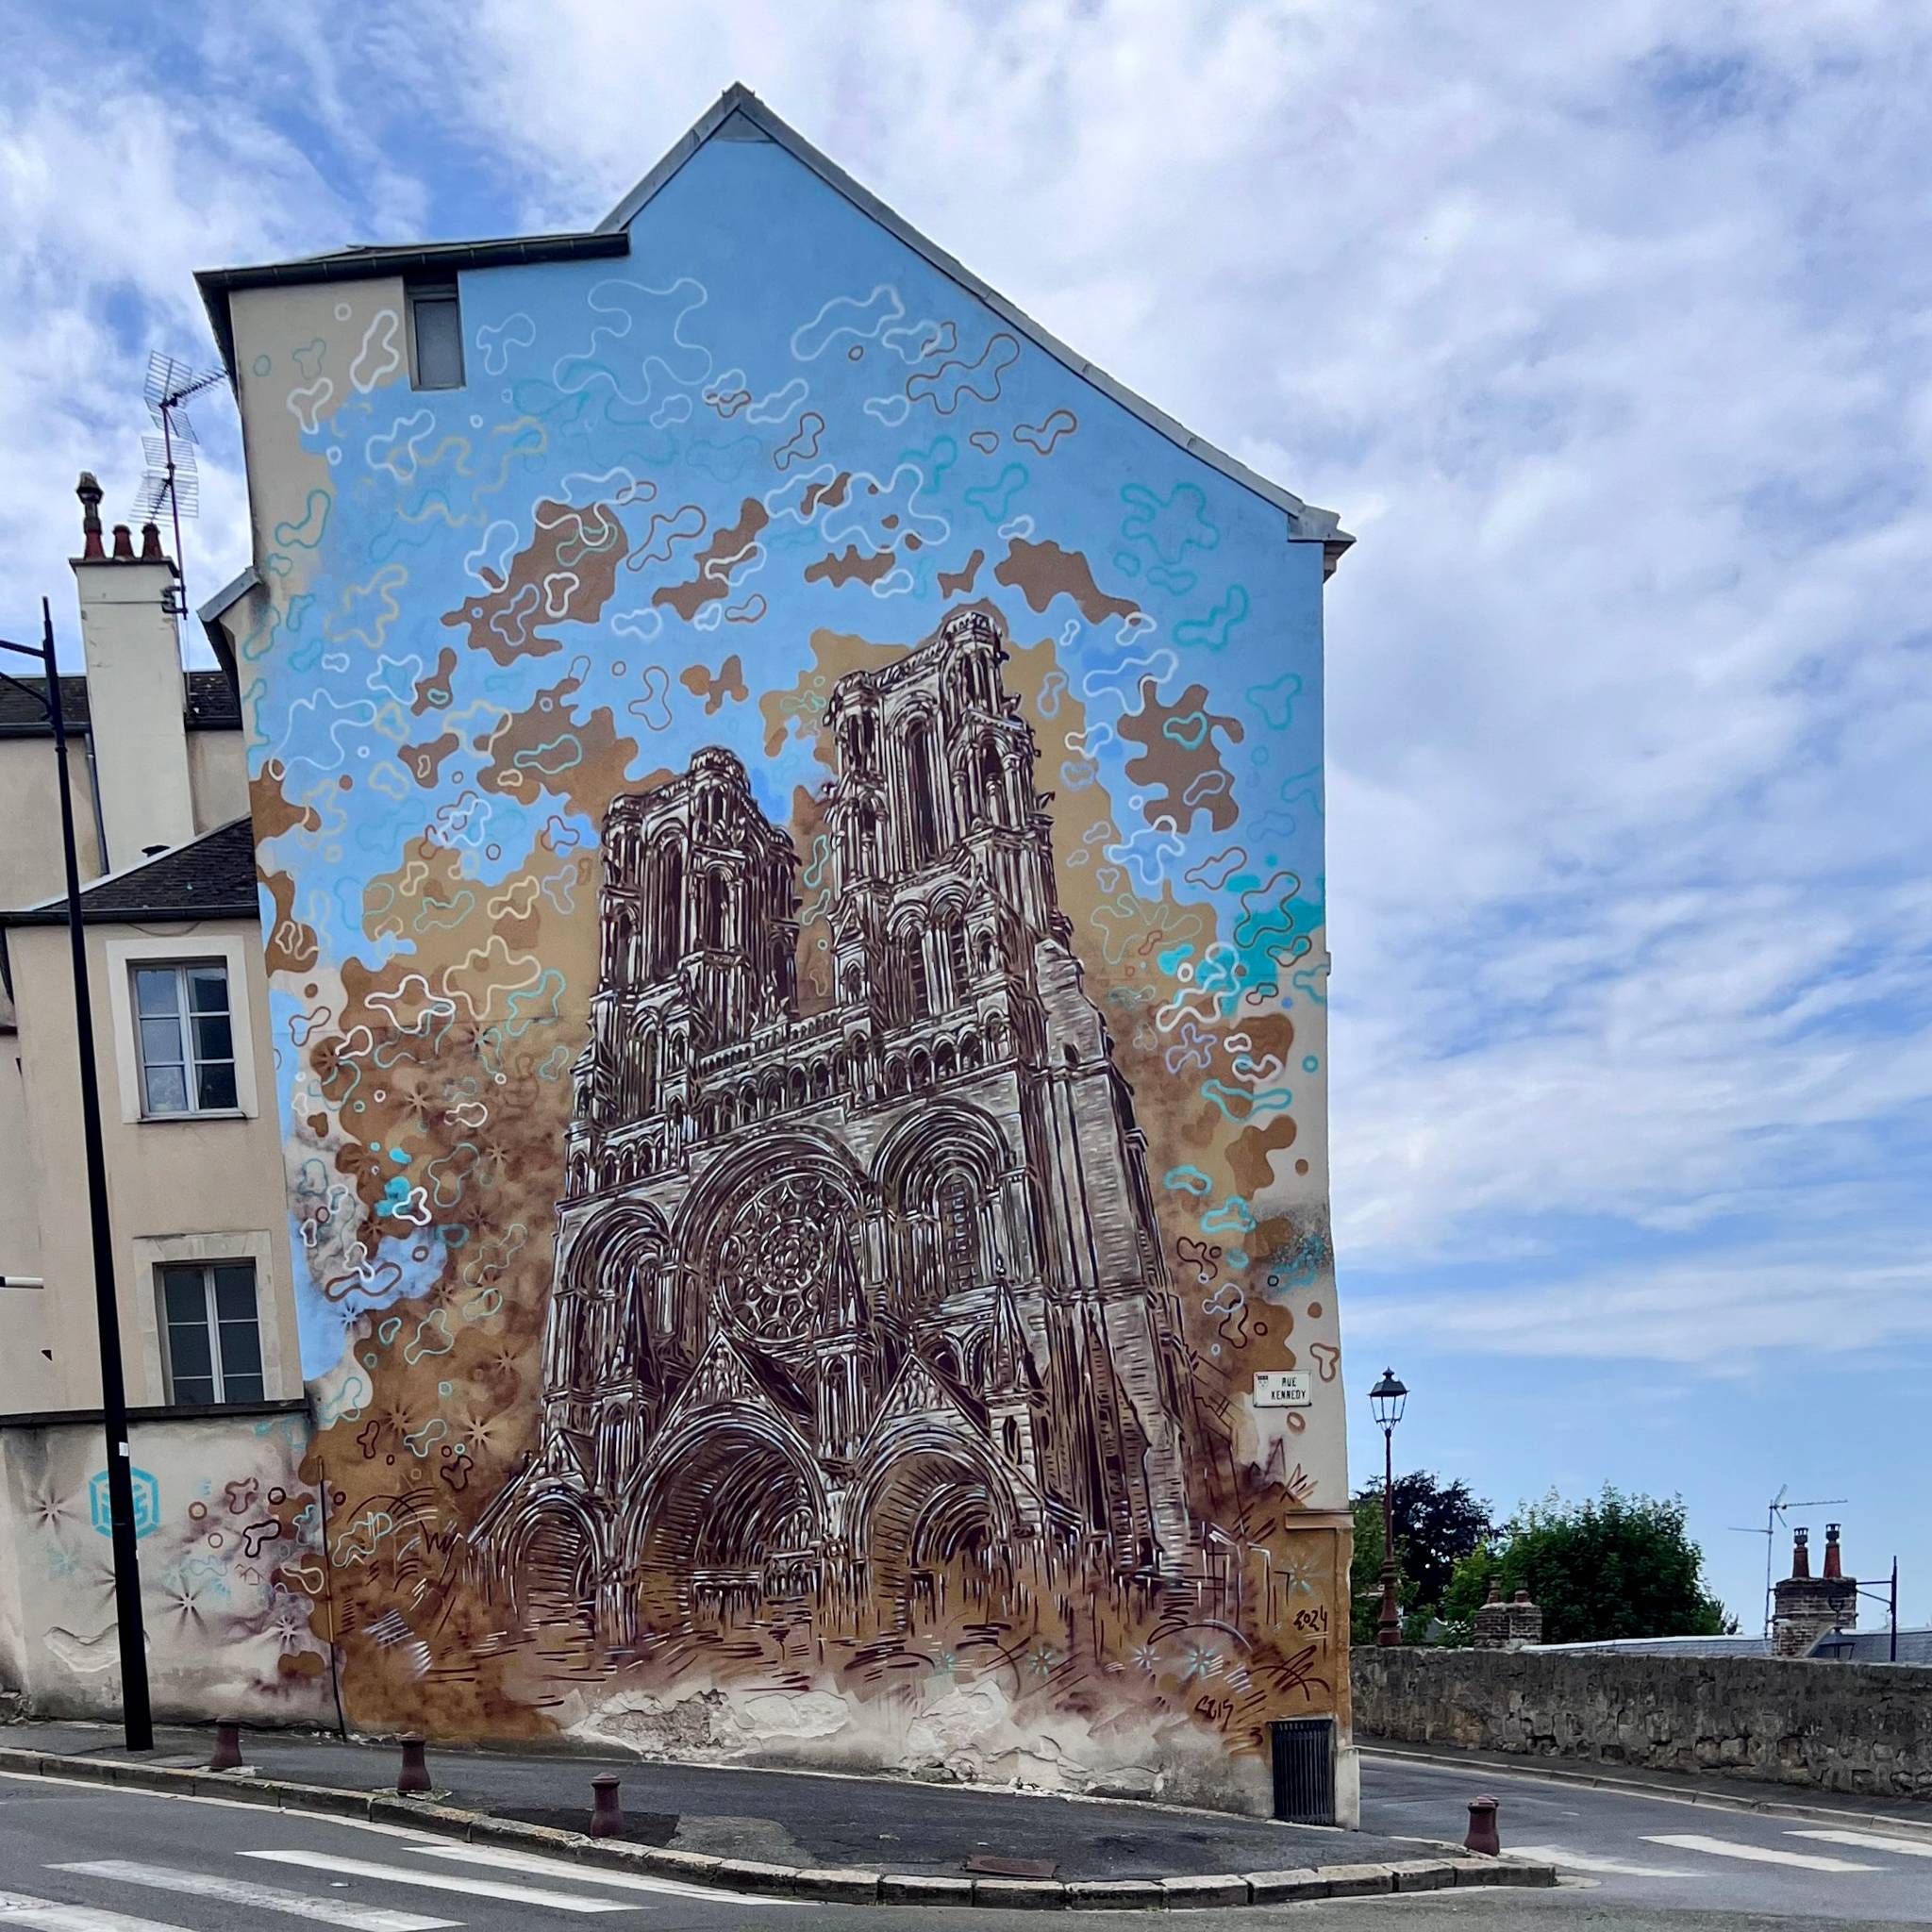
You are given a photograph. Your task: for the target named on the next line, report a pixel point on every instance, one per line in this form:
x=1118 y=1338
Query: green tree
x=1437 y=1524
x=1614 y=1565
x=1434 y=1526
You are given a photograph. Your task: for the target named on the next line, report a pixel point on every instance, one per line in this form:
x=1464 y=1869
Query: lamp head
x=1386 y=1398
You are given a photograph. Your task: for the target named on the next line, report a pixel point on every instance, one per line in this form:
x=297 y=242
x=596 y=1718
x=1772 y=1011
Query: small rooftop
x=208 y=704
x=1671 y=1646
x=210 y=878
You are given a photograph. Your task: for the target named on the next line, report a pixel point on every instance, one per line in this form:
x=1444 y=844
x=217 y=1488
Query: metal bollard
x=1482 y=1828
x=227 y=1748
x=414 y=1777
x=606 y=1820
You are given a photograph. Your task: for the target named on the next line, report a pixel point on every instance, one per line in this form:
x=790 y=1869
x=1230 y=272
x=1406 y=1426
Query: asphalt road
x=1666 y=1856
x=89 y=1858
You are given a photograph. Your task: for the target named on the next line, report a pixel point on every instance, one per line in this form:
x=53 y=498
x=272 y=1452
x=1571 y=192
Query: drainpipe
x=94 y=794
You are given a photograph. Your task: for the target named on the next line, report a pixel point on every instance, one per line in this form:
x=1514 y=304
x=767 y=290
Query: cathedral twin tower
x=859 y=1314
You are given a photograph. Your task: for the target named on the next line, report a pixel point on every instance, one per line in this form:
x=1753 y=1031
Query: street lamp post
x=136 y=1715
x=1386 y=1398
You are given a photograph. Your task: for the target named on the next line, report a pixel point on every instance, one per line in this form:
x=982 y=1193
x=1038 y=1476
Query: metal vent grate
x=1304 y=1750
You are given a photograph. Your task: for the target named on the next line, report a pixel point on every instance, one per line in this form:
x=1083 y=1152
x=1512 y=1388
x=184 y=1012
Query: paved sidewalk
x=784 y=1818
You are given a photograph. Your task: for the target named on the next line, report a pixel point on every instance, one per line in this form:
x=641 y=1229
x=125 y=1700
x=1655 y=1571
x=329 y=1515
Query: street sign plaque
x=1283 y=1389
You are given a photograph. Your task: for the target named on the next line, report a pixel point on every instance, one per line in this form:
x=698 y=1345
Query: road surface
x=77 y=1858
x=1666 y=1856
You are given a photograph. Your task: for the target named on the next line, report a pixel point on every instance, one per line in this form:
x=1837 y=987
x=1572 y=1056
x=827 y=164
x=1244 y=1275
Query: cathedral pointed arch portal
x=860 y=1318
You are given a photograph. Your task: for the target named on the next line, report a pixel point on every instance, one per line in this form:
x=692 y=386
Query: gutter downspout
x=94 y=794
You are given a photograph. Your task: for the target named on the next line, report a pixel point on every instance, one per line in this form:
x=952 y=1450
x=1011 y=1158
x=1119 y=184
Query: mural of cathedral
x=790 y=818
x=855 y=1310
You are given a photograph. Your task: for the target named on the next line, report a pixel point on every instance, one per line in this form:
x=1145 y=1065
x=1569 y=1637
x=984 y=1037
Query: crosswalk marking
x=44 y=1915
x=1872 y=1841
x=264 y=1898
x=1763 y=1855
x=445 y=1881
x=1593 y=1861
x=554 y=1867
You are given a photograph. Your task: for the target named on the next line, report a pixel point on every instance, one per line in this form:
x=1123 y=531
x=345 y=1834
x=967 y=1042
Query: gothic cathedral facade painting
x=789 y=819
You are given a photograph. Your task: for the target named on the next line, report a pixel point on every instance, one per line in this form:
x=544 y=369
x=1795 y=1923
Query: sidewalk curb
x=1642 y=1787
x=844 y=1886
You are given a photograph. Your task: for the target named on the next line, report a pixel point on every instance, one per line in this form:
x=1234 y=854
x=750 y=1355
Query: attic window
x=436 y=332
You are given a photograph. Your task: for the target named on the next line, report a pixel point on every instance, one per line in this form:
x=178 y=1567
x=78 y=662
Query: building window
x=213 y=1333
x=186 y=1037
x=436 y=333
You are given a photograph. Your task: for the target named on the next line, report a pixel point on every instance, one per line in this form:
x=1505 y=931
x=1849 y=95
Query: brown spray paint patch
x=958 y=583
x=1179 y=760
x=731 y=548
x=577 y=756
x=729 y=682
x=566 y=574
x=849 y=566
x=1041 y=572
x=269 y=805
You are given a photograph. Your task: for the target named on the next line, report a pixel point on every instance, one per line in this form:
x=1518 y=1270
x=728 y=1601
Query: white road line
x=1592 y=1861
x=1872 y=1841
x=44 y=1915
x=264 y=1898
x=1762 y=1855
x=445 y=1881
x=584 y=1874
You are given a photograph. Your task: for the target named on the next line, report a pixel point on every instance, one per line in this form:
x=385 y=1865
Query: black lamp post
x=1386 y=1398
x=134 y=1698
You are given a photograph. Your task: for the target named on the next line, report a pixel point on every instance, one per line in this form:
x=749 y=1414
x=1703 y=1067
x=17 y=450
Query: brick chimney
x=135 y=686
x=1807 y=1606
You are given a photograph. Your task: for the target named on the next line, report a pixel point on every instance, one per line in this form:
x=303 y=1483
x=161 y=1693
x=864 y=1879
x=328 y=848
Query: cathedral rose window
x=774 y=1266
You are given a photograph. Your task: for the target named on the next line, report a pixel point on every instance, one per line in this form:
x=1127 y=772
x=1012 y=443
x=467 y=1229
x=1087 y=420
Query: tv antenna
x=169 y=479
x=1774 y=1521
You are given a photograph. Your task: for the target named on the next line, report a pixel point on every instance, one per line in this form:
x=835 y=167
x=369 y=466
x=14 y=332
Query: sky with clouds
x=1605 y=329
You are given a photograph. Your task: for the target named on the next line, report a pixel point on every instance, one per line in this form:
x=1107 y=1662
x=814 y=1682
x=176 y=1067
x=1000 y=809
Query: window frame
x=212 y=1324
x=417 y=291
x=184 y=1016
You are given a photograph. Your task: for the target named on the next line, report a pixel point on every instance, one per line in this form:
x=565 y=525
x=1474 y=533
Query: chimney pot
x=124 y=545
x=1801 y=1554
x=89 y=490
x=151 y=544
x=1831 y=1557
x=1495 y=1589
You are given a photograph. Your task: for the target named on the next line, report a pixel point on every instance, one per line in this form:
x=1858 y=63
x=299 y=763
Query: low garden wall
x=1863 y=1728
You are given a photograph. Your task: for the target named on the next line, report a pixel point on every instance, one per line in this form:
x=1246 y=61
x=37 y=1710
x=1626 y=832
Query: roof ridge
x=1312 y=524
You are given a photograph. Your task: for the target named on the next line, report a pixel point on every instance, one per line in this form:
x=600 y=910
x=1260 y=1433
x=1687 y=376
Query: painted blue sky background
x=1605 y=329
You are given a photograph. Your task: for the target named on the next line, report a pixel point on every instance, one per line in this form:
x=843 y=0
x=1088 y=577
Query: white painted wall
x=229 y=1552
x=135 y=694
x=182 y=1189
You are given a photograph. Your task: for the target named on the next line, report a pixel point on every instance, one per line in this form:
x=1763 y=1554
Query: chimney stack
x=1809 y=1607
x=90 y=494
x=135 y=686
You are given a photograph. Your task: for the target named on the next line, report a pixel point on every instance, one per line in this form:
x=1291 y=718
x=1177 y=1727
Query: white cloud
x=114 y=188
x=1605 y=329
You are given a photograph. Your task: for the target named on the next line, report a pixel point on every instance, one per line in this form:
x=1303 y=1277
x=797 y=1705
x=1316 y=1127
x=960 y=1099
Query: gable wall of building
x=802 y=1256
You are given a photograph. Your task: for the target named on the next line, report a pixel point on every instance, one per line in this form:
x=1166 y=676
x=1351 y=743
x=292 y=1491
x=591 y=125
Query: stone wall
x=1864 y=1728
